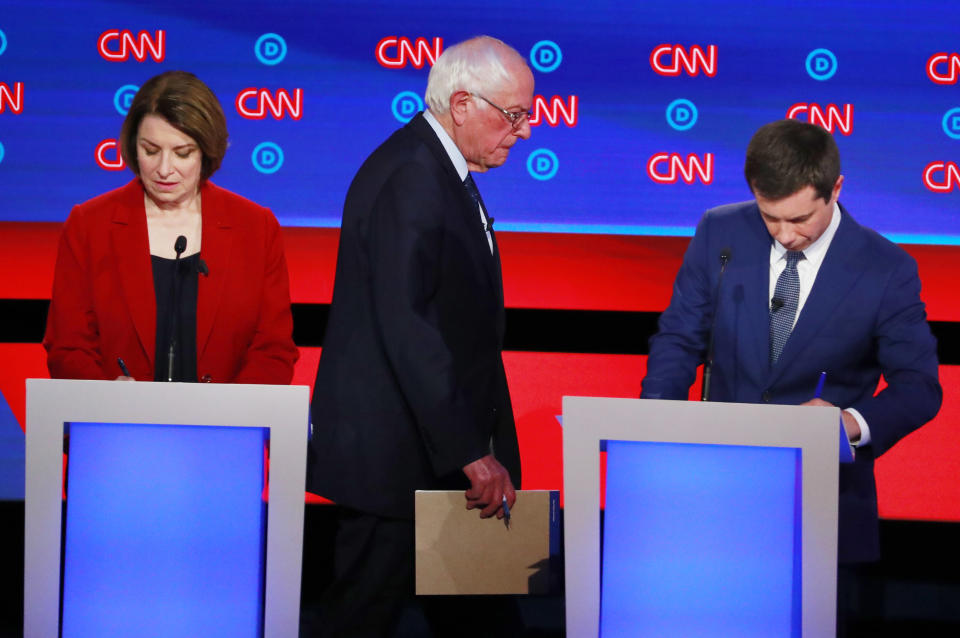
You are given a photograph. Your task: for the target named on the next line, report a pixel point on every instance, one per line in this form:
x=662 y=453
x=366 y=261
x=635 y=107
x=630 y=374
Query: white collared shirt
x=807 y=270
x=808 y=267
x=459 y=163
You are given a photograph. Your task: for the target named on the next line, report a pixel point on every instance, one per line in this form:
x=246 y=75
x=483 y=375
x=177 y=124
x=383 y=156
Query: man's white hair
x=477 y=65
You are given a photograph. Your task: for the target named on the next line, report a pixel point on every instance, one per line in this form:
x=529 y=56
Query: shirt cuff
x=864 y=428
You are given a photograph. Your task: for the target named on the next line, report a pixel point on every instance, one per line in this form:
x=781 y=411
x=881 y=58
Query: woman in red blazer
x=125 y=286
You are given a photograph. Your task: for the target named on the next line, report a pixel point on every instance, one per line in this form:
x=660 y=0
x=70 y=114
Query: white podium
x=720 y=519
x=167 y=528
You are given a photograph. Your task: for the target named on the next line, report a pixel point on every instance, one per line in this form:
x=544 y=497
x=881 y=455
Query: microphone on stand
x=179 y=247
x=708 y=364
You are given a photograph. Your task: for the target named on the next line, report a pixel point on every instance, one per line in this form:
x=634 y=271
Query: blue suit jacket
x=863 y=318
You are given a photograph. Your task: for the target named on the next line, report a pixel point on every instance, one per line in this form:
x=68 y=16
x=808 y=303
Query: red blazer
x=104 y=306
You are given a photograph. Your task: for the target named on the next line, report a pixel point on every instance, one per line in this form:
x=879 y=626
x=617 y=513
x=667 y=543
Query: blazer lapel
x=841 y=268
x=215 y=250
x=131 y=252
x=755 y=296
x=469 y=215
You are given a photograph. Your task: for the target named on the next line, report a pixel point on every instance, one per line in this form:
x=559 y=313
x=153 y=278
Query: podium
x=168 y=527
x=719 y=519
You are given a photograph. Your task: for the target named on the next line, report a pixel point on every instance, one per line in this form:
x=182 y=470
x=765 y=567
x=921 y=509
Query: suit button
x=766 y=396
x=206 y=379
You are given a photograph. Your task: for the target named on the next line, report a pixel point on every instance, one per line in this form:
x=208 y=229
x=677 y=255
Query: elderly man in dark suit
x=411 y=392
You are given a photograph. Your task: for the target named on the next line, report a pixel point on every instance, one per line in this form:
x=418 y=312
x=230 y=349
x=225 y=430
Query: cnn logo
x=829 y=117
x=941 y=177
x=670 y=59
x=254 y=104
x=394 y=52
x=944 y=68
x=117 y=46
x=107 y=163
x=670 y=168
x=554 y=111
x=12 y=99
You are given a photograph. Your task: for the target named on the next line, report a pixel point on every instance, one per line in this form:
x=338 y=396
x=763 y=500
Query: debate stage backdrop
x=642 y=114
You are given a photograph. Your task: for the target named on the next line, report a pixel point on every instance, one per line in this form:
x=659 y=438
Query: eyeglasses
x=516 y=118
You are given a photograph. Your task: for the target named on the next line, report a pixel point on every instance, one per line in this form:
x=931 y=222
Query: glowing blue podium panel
x=165 y=531
x=701 y=540
x=720 y=519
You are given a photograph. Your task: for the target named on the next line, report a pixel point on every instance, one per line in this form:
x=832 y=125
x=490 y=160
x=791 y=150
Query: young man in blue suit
x=805 y=289
x=411 y=392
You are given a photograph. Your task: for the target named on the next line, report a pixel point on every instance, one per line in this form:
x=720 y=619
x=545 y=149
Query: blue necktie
x=783 y=308
x=471 y=187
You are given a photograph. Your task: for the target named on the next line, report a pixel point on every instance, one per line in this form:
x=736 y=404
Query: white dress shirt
x=807 y=270
x=459 y=163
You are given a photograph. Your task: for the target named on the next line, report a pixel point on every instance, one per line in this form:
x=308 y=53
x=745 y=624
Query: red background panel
x=589 y=272
x=541 y=270
x=920 y=477
x=312 y=261
x=28 y=253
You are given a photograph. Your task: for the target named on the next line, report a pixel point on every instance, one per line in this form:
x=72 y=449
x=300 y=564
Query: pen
x=823 y=377
x=123 y=367
x=506 y=512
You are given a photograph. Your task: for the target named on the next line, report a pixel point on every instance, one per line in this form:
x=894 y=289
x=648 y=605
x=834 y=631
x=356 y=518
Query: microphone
x=202 y=267
x=179 y=246
x=725 y=255
x=776 y=304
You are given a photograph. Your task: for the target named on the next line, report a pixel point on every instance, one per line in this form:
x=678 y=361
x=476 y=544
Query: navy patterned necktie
x=783 y=308
x=471 y=187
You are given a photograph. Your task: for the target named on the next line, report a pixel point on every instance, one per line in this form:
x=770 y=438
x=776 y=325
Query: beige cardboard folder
x=460 y=553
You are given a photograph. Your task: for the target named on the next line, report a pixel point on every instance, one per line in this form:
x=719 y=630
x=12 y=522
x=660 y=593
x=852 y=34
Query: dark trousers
x=373 y=581
x=859 y=593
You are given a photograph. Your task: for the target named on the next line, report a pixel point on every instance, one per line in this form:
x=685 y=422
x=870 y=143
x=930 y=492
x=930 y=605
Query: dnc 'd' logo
x=270 y=49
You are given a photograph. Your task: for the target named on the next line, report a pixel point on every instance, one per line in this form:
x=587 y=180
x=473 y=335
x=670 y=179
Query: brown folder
x=457 y=552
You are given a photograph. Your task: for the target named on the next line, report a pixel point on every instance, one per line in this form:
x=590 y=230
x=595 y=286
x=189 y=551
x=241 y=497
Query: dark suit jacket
x=104 y=306
x=863 y=318
x=410 y=386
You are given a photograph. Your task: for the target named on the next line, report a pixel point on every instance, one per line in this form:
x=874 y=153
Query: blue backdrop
x=620 y=115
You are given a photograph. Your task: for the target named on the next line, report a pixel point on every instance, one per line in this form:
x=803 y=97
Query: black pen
x=506 y=512
x=123 y=367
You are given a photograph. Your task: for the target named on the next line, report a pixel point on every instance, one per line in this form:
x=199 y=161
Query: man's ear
x=459 y=103
x=837 y=187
